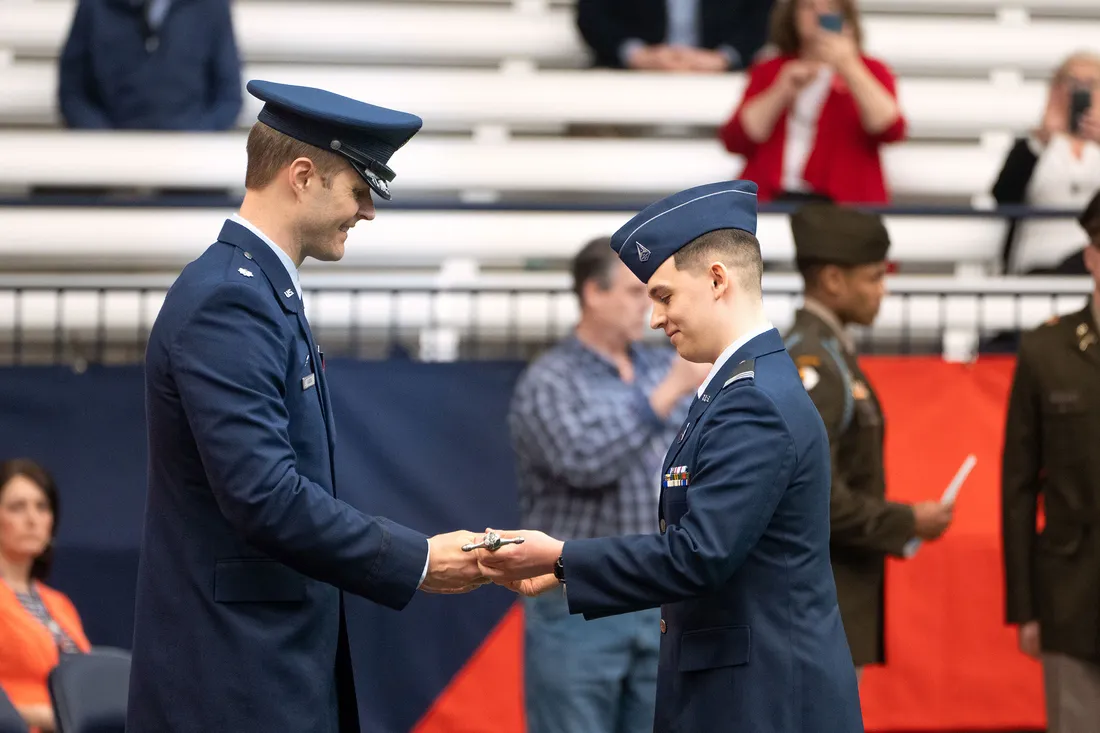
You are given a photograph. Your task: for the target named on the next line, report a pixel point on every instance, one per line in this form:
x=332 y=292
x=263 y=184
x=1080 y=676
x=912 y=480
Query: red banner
x=952 y=661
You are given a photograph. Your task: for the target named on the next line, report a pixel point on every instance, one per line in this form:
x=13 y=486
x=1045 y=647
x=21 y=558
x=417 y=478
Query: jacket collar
x=259 y=252
x=767 y=342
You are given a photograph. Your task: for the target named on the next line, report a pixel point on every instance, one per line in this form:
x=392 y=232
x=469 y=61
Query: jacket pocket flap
x=257 y=581
x=724 y=646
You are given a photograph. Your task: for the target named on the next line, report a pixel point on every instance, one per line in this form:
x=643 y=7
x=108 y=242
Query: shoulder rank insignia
x=246 y=273
x=744 y=371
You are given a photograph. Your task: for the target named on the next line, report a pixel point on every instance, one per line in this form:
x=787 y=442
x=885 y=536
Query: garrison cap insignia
x=246 y=273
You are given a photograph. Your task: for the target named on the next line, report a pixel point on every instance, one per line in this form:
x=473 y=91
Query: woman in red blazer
x=813 y=118
x=37 y=623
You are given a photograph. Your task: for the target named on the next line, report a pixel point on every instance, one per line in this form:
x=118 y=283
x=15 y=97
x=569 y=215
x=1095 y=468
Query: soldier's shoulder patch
x=807 y=360
x=810 y=376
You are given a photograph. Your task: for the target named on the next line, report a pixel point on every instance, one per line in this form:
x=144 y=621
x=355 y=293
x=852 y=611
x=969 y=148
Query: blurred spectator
x=813 y=117
x=590 y=422
x=674 y=35
x=37 y=623
x=150 y=65
x=1057 y=166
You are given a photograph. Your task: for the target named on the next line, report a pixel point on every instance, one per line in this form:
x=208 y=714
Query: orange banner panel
x=952 y=663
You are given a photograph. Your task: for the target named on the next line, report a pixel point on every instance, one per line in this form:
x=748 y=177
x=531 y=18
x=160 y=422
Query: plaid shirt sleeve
x=586 y=446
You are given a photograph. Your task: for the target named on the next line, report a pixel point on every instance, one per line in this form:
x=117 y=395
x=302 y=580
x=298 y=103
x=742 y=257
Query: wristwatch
x=559 y=570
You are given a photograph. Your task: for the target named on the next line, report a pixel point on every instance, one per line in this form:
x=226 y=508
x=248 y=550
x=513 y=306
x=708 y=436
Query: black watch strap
x=559 y=570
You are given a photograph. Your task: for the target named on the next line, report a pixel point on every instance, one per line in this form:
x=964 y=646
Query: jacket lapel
x=282 y=286
x=766 y=343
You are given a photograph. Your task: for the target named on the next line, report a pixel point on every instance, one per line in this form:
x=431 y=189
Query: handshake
x=522 y=561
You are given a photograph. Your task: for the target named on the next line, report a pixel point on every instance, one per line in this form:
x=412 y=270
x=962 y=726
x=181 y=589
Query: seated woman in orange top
x=37 y=623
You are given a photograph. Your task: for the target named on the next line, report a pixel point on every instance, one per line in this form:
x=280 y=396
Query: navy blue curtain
x=423 y=444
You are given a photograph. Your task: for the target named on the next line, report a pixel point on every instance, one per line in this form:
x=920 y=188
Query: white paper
x=949 y=496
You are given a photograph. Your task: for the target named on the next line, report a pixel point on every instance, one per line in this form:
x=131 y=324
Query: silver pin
x=492 y=543
x=289 y=292
x=246 y=273
x=248 y=255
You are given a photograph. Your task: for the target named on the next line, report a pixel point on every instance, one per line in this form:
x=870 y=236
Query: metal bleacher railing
x=78 y=320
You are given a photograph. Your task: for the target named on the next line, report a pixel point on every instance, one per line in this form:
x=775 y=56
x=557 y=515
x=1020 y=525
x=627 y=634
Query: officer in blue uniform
x=239 y=622
x=752 y=635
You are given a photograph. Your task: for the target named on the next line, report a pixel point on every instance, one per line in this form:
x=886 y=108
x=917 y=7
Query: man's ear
x=719 y=279
x=832 y=279
x=301 y=174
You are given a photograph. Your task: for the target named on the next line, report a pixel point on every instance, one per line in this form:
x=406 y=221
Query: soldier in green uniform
x=1052 y=449
x=841 y=254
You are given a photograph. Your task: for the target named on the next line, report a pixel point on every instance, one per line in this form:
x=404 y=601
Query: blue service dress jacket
x=752 y=638
x=239 y=622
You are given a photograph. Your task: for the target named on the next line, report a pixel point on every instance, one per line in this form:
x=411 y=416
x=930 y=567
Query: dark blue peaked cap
x=664 y=227
x=362 y=133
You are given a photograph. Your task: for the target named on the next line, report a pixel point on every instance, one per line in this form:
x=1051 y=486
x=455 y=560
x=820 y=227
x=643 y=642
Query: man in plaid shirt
x=590 y=422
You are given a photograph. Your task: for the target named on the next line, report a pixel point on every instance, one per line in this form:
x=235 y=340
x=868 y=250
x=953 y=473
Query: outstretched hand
x=535 y=557
x=450 y=570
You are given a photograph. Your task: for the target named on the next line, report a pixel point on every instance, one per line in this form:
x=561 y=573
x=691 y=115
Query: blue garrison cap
x=664 y=227
x=362 y=133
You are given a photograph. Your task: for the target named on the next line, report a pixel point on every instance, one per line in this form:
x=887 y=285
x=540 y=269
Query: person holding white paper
x=841 y=254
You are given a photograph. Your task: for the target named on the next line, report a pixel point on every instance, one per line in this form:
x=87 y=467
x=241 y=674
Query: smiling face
x=329 y=207
x=684 y=307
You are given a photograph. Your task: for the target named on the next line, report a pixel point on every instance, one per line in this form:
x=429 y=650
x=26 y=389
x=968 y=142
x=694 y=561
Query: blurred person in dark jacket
x=674 y=35
x=150 y=65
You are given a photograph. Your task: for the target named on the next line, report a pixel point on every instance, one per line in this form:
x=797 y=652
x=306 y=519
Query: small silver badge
x=309 y=381
x=246 y=273
x=288 y=292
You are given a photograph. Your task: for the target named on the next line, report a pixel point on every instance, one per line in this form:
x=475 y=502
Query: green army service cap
x=832 y=234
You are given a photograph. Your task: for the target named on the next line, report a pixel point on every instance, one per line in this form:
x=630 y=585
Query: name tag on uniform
x=309 y=381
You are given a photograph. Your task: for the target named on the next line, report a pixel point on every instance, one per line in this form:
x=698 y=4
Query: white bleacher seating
x=421 y=33
x=1041 y=7
x=147 y=239
x=464 y=99
x=527 y=166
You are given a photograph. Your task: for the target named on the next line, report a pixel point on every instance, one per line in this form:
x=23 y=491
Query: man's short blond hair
x=270 y=151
